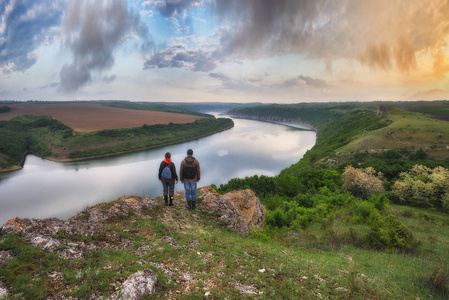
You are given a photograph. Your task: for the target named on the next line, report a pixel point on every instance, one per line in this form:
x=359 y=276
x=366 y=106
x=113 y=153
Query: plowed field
x=92 y=117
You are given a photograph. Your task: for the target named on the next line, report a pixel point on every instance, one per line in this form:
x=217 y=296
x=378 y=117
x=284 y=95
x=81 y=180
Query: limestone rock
x=239 y=210
x=138 y=285
x=44 y=242
x=382 y=111
x=41 y=232
x=5 y=256
x=3 y=291
x=245 y=289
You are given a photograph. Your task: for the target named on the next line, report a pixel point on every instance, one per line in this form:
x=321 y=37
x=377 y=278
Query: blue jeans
x=190 y=187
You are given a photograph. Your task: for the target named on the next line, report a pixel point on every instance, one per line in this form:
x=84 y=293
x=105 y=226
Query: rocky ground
x=111 y=228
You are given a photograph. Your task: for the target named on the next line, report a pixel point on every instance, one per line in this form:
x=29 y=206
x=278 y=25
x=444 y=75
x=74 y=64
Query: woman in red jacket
x=167 y=175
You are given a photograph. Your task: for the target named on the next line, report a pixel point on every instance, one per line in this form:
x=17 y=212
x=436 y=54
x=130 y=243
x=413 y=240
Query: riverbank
x=135 y=150
x=278 y=120
x=50 y=139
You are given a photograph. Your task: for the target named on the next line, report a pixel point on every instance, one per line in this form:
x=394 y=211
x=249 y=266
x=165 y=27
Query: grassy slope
x=295 y=266
x=409 y=130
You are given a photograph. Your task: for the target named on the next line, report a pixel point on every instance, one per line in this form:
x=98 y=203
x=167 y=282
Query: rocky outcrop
x=239 y=210
x=90 y=221
x=382 y=111
x=90 y=230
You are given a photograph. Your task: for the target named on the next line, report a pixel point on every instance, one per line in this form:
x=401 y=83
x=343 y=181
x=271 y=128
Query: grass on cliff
x=193 y=255
x=409 y=130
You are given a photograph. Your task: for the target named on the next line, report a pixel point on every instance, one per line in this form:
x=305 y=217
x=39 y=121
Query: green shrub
x=276 y=218
x=380 y=201
x=311 y=180
x=419 y=155
x=260 y=185
x=305 y=200
x=273 y=202
x=289 y=185
x=392 y=154
x=391 y=234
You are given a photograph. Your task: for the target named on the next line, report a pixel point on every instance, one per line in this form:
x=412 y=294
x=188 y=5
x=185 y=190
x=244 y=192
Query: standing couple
x=190 y=174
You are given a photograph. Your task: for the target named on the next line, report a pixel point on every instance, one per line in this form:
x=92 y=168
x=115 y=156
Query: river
x=44 y=188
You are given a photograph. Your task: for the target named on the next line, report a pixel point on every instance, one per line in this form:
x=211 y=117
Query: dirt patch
x=92 y=117
x=439 y=116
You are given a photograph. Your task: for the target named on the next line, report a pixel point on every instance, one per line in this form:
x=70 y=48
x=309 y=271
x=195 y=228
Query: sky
x=284 y=51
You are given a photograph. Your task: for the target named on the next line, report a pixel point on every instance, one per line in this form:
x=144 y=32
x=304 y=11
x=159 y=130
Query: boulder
x=239 y=210
x=136 y=286
x=5 y=256
x=3 y=291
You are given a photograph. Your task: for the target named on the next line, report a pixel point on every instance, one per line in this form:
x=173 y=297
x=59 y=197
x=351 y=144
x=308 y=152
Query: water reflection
x=49 y=189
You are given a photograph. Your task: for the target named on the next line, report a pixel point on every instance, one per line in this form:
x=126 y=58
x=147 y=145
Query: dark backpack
x=189 y=171
x=166 y=173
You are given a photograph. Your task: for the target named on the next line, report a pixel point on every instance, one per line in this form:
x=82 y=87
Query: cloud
x=92 y=32
x=305 y=81
x=23 y=28
x=110 y=78
x=51 y=86
x=380 y=34
x=147 y=13
x=405 y=55
x=377 y=56
x=169 y=8
x=257 y=84
x=384 y=34
x=180 y=56
x=242 y=84
x=434 y=94
x=440 y=64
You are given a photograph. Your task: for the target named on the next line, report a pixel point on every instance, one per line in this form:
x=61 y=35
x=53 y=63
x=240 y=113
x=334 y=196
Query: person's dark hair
x=189 y=152
x=167 y=155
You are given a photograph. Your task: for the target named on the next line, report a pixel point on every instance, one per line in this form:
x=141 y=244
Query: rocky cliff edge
x=91 y=230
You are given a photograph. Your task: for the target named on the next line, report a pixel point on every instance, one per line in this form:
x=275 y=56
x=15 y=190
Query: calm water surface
x=45 y=189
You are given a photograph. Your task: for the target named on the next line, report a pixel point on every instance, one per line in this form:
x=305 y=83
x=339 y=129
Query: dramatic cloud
x=380 y=34
x=92 y=31
x=392 y=49
x=384 y=34
x=24 y=27
x=180 y=56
